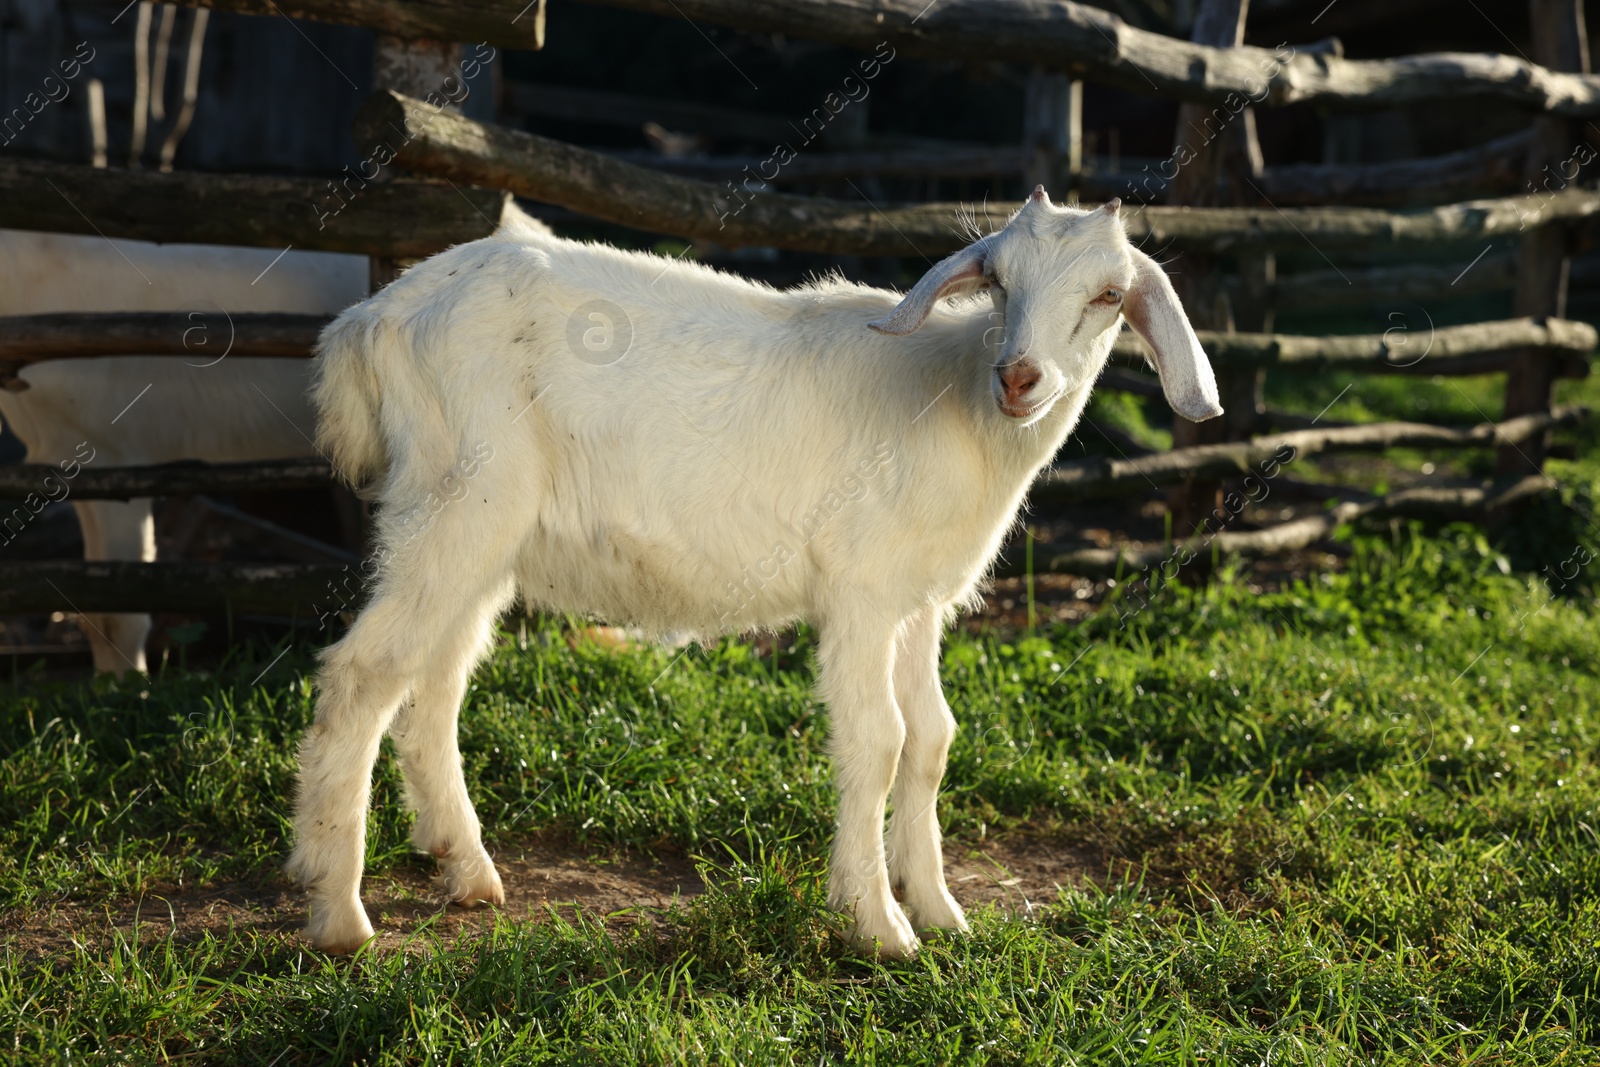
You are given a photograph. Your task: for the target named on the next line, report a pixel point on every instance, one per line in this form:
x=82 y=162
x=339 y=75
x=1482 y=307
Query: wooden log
x=398 y=218
x=298 y=590
x=45 y=481
x=604 y=187
x=1408 y=283
x=1561 y=40
x=1052 y=133
x=426 y=69
x=1101 y=477
x=1490 y=169
x=507 y=24
x=1222 y=161
x=202 y=336
x=1132 y=562
x=1493 y=167
x=955 y=161
x=315 y=591
x=1063 y=483
x=1082 y=41
x=1477 y=348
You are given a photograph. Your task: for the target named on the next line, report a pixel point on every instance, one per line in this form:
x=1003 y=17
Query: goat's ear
x=947 y=277
x=1153 y=310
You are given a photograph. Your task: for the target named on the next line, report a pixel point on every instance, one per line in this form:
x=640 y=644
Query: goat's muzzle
x=1017 y=379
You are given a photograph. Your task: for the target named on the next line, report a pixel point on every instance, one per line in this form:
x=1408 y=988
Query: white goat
x=666 y=446
x=233 y=410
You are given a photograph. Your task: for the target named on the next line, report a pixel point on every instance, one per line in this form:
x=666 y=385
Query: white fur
x=236 y=410
x=755 y=457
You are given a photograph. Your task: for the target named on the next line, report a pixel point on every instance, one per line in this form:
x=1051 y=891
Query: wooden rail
x=294 y=589
x=18 y=481
x=1496 y=166
x=1090 y=479
x=203 y=335
x=407 y=218
x=1064 y=483
x=1129 y=560
x=553 y=172
x=312 y=591
x=1492 y=168
x=401 y=218
x=1083 y=41
x=1478 y=348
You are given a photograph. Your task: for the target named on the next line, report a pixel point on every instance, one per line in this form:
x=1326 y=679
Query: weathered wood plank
x=1492 y=168
x=1476 y=348
x=1133 y=561
x=1063 y=483
x=1495 y=166
x=518 y=24
x=200 y=335
x=1561 y=39
x=553 y=172
x=19 y=481
x=1090 y=479
x=293 y=589
x=397 y=218
x=1419 y=351
x=1082 y=41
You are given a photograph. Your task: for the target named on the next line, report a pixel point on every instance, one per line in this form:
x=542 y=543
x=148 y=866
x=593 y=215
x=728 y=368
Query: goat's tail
x=345 y=393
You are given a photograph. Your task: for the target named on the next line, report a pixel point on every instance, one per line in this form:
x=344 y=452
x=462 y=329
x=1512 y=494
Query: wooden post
x=418 y=68
x=1222 y=152
x=1052 y=134
x=1560 y=42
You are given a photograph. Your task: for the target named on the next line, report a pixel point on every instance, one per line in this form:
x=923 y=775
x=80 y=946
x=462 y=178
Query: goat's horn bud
x=1113 y=205
x=1039 y=194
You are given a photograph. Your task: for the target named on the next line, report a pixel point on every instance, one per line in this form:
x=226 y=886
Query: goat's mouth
x=1027 y=411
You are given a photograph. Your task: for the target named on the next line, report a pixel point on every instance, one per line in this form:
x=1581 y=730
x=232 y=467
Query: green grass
x=1355 y=820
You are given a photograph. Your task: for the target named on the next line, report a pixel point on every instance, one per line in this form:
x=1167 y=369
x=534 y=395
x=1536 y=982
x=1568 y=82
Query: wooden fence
x=1228 y=204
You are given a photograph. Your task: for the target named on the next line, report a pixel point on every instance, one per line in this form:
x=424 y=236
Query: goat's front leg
x=865 y=737
x=916 y=857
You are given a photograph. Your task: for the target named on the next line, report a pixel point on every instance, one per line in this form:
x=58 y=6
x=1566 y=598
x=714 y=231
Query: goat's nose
x=1017 y=377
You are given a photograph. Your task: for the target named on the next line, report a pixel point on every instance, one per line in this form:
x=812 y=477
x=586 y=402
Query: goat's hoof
x=338 y=931
x=940 y=912
x=887 y=935
x=473 y=881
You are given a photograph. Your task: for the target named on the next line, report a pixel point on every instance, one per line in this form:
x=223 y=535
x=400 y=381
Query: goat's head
x=1059 y=278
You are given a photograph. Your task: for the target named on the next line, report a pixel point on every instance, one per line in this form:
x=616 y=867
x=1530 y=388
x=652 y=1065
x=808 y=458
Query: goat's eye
x=1110 y=298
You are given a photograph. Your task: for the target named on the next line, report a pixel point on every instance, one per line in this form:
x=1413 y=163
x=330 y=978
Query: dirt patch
x=1016 y=873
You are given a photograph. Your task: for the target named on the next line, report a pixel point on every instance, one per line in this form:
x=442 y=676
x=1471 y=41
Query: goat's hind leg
x=429 y=593
x=424 y=734
x=360 y=685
